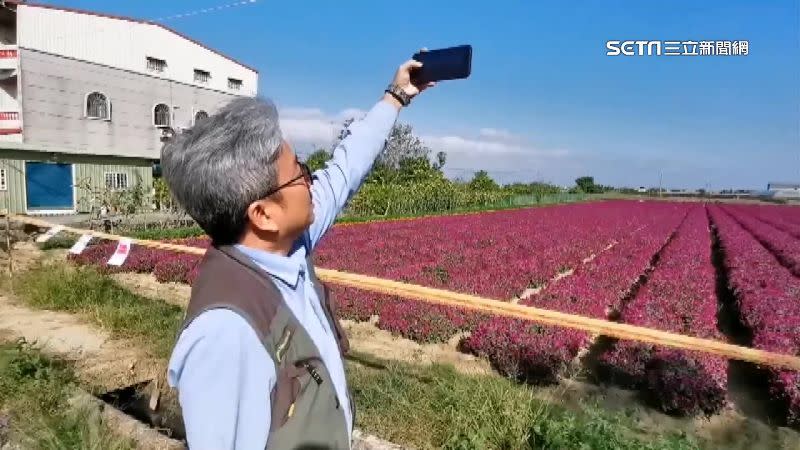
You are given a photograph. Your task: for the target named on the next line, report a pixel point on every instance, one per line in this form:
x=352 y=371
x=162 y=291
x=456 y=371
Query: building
x=86 y=99
x=783 y=190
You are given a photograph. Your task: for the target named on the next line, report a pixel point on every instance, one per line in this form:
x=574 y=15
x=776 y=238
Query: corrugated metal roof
x=129 y=19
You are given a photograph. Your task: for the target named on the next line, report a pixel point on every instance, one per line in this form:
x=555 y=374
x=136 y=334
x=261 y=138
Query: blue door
x=49 y=185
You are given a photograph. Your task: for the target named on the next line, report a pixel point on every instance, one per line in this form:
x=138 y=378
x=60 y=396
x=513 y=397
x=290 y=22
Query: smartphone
x=443 y=64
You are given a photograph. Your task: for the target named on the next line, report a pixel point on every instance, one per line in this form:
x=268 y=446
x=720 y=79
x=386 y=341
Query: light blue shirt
x=221 y=370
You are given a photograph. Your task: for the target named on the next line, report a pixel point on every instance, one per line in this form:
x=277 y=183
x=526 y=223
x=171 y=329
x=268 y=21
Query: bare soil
x=366 y=338
x=100 y=361
x=146 y=285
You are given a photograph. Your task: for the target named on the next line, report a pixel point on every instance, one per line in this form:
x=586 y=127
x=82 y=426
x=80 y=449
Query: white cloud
x=351 y=112
x=312 y=126
x=505 y=155
x=499 y=135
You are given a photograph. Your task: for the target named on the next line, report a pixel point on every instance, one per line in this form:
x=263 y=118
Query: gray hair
x=224 y=163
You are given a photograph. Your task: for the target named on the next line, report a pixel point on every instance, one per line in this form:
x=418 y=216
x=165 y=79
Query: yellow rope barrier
x=497 y=307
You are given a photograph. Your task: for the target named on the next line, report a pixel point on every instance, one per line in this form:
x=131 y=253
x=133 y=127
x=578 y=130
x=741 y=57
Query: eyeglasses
x=305 y=174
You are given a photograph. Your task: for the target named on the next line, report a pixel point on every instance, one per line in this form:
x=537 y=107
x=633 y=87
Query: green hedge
x=440 y=197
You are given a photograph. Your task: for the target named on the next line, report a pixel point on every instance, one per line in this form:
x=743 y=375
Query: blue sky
x=544 y=101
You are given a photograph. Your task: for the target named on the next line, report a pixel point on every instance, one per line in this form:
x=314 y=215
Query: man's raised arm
x=355 y=155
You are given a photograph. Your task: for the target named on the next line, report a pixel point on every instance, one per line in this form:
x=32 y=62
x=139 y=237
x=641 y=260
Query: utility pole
x=660 y=177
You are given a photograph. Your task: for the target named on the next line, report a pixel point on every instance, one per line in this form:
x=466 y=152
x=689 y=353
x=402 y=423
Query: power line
x=206 y=10
x=212 y=9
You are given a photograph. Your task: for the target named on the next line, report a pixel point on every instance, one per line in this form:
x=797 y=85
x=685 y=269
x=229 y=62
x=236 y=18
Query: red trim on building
x=5 y=131
x=128 y=19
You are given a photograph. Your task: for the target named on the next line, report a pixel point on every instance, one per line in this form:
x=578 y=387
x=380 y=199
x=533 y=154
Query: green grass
x=546 y=201
x=427 y=407
x=61 y=240
x=168 y=233
x=35 y=394
x=84 y=291
x=436 y=407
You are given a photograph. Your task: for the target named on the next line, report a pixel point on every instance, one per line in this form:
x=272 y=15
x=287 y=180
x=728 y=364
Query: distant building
x=86 y=96
x=784 y=190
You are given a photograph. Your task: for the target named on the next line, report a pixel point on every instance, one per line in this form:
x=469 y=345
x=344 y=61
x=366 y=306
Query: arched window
x=161 y=115
x=98 y=106
x=200 y=116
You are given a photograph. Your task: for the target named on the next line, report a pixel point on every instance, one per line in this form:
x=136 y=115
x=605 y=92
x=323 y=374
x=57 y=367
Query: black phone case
x=443 y=64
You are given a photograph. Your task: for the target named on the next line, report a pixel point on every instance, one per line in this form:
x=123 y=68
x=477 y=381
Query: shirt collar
x=286 y=268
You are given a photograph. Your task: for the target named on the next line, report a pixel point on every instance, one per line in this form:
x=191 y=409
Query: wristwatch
x=398 y=93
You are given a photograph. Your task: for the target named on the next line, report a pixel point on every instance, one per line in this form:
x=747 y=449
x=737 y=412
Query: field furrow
x=679 y=296
x=792 y=230
x=785 y=217
x=767 y=298
x=784 y=246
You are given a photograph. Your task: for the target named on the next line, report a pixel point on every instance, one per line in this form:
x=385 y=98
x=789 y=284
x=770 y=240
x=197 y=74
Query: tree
x=342 y=133
x=441 y=158
x=400 y=145
x=586 y=185
x=417 y=169
x=483 y=182
x=404 y=159
x=318 y=159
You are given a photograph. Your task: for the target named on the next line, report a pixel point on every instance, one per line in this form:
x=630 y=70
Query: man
x=258 y=362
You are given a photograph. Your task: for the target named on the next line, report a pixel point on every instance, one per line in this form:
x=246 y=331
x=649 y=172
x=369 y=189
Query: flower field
x=782 y=244
x=645 y=263
x=679 y=296
x=781 y=218
x=540 y=354
x=768 y=299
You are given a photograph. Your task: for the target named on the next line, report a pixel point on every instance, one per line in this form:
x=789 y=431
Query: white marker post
x=49 y=233
x=80 y=244
x=121 y=253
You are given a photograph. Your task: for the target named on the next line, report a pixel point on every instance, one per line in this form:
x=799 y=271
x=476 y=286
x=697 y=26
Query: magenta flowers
x=768 y=299
x=678 y=296
x=672 y=266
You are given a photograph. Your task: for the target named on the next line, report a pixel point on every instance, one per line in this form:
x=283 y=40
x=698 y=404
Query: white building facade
x=87 y=98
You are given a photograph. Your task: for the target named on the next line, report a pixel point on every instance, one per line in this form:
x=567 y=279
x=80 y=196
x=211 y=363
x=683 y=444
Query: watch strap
x=398 y=93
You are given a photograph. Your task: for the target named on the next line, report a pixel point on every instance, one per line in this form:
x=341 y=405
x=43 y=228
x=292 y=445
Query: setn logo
x=631 y=48
x=678 y=48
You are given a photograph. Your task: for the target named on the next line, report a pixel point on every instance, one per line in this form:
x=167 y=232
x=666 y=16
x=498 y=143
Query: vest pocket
x=290 y=384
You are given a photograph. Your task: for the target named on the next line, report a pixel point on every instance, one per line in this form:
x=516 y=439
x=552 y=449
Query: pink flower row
x=678 y=296
x=783 y=245
x=767 y=295
x=166 y=266
x=496 y=255
x=412 y=319
x=540 y=353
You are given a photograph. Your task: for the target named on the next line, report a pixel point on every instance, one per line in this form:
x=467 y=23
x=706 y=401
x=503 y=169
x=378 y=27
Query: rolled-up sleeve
x=352 y=159
x=224 y=377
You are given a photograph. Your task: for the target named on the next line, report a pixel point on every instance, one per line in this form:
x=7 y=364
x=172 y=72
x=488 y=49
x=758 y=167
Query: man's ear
x=262 y=216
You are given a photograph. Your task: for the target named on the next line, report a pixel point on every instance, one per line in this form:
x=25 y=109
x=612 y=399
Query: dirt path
x=99 y=360
x=367 y=338
x=146 y=285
